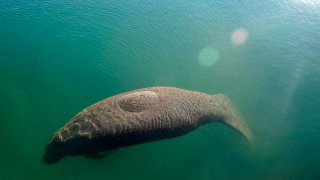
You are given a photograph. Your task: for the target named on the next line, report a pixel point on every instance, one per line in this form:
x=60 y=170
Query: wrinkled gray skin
x=140 y=116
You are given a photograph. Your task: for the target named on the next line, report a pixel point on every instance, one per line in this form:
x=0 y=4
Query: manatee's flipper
x=96 y=155
x=100 y=155
x=231 y=117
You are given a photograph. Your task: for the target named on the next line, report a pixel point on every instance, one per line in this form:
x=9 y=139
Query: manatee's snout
x=62 y=145
x=54 y=151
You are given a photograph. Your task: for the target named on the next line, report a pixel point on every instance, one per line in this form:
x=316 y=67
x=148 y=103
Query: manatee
x=140 y=116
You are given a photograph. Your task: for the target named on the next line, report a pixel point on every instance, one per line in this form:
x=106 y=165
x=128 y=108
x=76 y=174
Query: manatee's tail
x=231 y=117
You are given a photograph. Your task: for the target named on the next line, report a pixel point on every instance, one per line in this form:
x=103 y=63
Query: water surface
x=58 y=57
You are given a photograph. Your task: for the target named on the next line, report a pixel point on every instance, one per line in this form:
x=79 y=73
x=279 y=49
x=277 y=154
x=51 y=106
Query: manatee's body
x=139 y=116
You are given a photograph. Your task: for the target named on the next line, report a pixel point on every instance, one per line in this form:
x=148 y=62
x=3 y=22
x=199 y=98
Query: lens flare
x=239 y=36
x=208 y=56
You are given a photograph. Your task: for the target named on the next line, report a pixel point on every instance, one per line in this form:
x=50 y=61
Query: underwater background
x=58 y=57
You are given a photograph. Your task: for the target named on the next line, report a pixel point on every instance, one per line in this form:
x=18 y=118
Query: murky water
x=58 y=57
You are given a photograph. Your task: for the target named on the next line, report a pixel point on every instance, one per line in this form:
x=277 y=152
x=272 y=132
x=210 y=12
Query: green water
x=57 y=57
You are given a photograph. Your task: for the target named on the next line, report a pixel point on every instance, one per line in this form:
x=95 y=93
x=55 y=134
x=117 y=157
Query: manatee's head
x=73 y=139
x=58 y=148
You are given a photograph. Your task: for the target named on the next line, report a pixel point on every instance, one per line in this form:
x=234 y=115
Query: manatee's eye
x=138 y=101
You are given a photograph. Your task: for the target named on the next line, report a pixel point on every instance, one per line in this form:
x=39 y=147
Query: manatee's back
x=145 y=115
